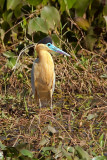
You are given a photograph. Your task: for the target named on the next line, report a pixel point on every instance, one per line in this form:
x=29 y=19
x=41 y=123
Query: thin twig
x=21 y=54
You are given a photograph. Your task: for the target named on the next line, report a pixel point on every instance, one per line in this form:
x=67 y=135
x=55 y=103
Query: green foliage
x=27 y=153
x=48 y=18
x=11 y=4
x=82 y=154
x=33 y=2
x=81 y=7
x=51 y=16
x=11 y=61
x=37 y=24
x=99 y=158
x=65 y=152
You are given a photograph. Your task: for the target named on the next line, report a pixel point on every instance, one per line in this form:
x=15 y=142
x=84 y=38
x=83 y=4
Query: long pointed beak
x=61 y=52
x=52 y=47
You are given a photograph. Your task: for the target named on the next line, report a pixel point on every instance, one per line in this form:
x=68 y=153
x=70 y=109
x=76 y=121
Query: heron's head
x=46 y=44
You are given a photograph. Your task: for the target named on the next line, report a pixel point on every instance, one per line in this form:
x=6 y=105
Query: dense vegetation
x=78 y=128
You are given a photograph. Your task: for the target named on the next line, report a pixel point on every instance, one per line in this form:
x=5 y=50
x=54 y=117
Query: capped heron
x=42 y=73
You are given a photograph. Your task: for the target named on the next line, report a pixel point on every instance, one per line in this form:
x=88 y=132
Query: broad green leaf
x=81 y=7
x=66 y=154
x=90 y=39
x=8 y=54
x=11 y=4
x=2 y=3
x=69 y=4
x=57 y=151
x=27 y=153
x=44 y=2
x=34 y=2
x=70 y=149
x=51 y=129
x=82 y=23
x=51 y=16
x=7 y=16
x=100 y=158
x=55 y=39
x=82 y=154
x=2 y=146
x=11 y=59
x=17 y=11
x=37 y=24
x=62 y=5
x=76 y=158
x=11 y=62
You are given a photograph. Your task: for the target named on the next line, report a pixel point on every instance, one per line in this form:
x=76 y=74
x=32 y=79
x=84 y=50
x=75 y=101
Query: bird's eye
x=48 y=44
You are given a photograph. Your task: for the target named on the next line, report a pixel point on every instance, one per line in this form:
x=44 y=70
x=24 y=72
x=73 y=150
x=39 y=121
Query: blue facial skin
x=53 y=48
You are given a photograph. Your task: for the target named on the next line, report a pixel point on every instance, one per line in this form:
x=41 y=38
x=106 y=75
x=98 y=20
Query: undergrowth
x=78 y=126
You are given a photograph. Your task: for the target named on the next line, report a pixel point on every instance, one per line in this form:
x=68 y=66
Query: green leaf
x=81 y=7
x=8 y=54
x=44 y=141
x=2 y=146
x=21 y=146
x=51 y=16
x=11 y=59
x=7 y=16
x=51 y=129
x=83 y=23
x=69 y=3
x=70 y=149
x=11 y=4
x=2 y=3
x=11 y=62
x=44 y=2
x=37 y=24
x=100 y=158
x=44 y=149
x=105 y=10
x=58 y=151
x=11 y=152
x=76 y=158
x=17 y=11
x=82 y=154
x=27 y=153
x=55 y=39
x=105 y=17
x=2 y=34
x=101 y=141
x=62 y=5
x=34 y=2
x=66 y=154
x=91 y=116
x=90 y=39
x=104 y=76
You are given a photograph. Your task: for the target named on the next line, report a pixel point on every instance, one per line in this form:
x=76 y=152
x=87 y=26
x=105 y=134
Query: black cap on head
x=45 y=40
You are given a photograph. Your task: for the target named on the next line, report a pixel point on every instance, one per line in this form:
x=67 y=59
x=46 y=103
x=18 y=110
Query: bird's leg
x=40 y=103
x=51 y=104
x=40 y=109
